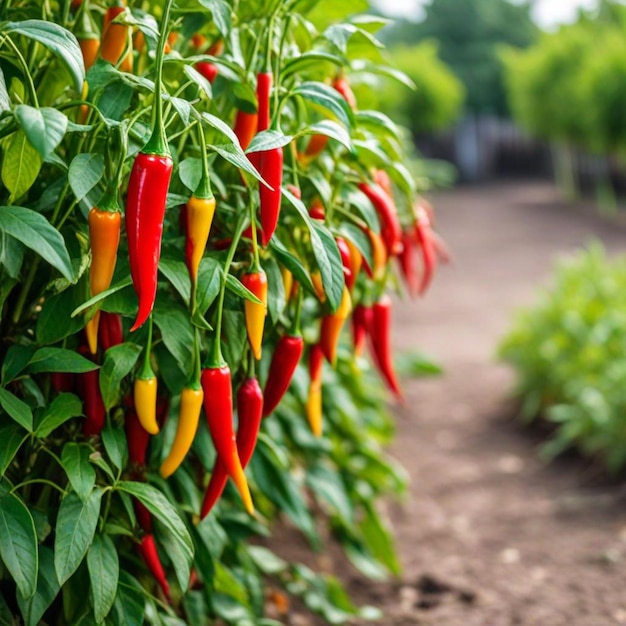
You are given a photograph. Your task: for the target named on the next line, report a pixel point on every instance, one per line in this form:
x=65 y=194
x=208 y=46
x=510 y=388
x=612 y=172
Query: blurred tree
x=468 y=34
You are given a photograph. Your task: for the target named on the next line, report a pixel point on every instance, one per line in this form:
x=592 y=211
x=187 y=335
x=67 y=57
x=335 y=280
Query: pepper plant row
x=195 y=208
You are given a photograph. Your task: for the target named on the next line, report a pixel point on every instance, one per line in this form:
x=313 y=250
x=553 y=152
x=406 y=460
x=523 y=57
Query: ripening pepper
x=218 y=407
x=116 y=40
x=332 y=325
x=110 y=331
x=256 y=282
x=282 y=367
x=249 y=413
x=342 y=85
x=318 y=285
x=314 y=397
x=380 y=334
x=188 y=419
x=356 y=261
x=388 y=215
x=346 y=261
x=89 y=48
x=199 y=212
x=245 y=127
x=379 y=256
x=148 y=551
x=104 y=236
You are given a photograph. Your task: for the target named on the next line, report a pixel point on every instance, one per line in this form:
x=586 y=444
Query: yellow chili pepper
x=256 y=282
x=188 y=418
x=200 y=212
x=316 y=279
x=287 y=283
x=145 y=394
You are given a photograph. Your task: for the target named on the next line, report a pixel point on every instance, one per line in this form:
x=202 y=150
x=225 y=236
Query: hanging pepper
x=423 y=234
x=256 y=282
x=287 y=277
x=208 y=70
x=199 y=212
x=382 y=179
x=110 y=331
x=407 y=262
x=104 y=236
x=146 y=198
x=145 y=391
x=343 y=87
x=218 y=395
x=346 y=261
x=361 y=322
x=282 y=368
x=218 y=406
x=332 y=325
x=318 y=285
x=62 y=381
x=88 y=38
x=137 y=439
x=148 y=551
x=317 y=211
x=269 y=164
x=379 y=256
x=356 y=261
x=314 y=398
x=380 y=333
x=388 y=215
x=249 y=411
x=245 y=127
x=88 y=384
x=116 y=40
x=188 y=418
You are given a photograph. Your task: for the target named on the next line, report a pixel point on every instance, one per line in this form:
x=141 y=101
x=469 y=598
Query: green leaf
x=129 y=606
x=62 y=408
x=268 y=140
x=44 y=128
x=311 y=58
x=377 y=121
x=125 y=282
x=86 y=171
x=5 y=101
x=104 y=570
x=190 y=174
x=17 y=409
x=209 y=282
x=36 y=233
x=47 y=589
x=201 y=81
x=236 y=286
x=330 y=129
x=6 y=616
x=57 y=39
x=292 y=263
x=18 y=547
x=12 y=438
x=221 y=12
x=55 y=321
x=80 y=472
x=324 y=96
x=235 y=155
x=177 y=555
x=75 y=528
x=118 y=362
x=178 y=274
x=114 y=441
x=20 y=165
x=176 y=332
x=378 y=539
x=59 y=360
x=161 y=508
x=215 y=122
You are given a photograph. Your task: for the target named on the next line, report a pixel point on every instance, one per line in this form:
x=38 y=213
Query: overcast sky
x=547 y=12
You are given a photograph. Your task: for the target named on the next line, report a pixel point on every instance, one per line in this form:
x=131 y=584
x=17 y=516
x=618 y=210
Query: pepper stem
x=217 y=360
x=146 y=370
x=157 y=144
x=204 y=187
x=295 y=325
x=194 y=379
x=256 y=265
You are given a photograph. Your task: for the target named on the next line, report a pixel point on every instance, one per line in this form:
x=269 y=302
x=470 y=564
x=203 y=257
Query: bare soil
x=490 y=535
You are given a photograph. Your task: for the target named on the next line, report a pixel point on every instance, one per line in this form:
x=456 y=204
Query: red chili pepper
x=316 y=144
x=249 y=411
x=110 y=331
x=208 y=70
x=343 y=87
x=93 y=406
x=382 y=178
x=407 y=262
x=218 y=406
x=388 y=215
x=284 y=362
x=317 y=210
x=269 y=164
x=62 y=381
x=145 y=210
x=361 y=321
x=263 y=89
x=245 y=127
x=380 y=333
x=137 y=438
x=423 y=233
x=148 y=551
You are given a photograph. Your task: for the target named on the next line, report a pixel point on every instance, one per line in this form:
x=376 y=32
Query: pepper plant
x=193 y=205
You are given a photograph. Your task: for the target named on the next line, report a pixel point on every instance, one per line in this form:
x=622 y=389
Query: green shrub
x=569 y=352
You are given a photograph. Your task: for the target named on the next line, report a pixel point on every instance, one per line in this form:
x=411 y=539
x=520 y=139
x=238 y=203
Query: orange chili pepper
x=332 y=325
x=116 y=40
x=314 y=398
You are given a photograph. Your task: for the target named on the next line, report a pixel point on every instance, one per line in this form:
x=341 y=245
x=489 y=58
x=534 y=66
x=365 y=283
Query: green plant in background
x=568 y=354
x=256 y=213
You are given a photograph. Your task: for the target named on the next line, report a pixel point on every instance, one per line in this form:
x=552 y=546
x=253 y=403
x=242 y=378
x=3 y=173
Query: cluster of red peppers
x=210 y=385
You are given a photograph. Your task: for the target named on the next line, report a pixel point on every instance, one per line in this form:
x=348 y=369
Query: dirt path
x=489 y=535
